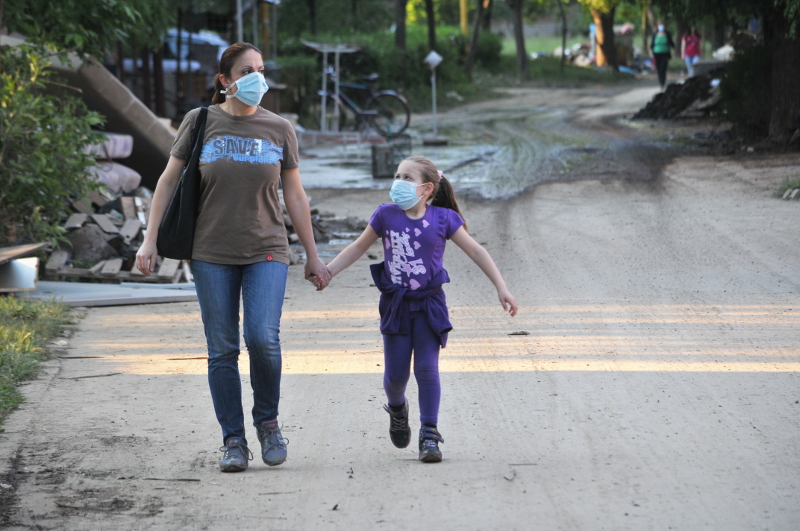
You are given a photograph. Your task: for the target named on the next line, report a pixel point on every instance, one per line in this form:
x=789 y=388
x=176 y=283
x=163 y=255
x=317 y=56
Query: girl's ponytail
x=445 y=196
x=443 y=193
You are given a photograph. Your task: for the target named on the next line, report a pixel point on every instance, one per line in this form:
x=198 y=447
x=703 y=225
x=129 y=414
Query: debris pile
x=106 y=230
x=696 y=97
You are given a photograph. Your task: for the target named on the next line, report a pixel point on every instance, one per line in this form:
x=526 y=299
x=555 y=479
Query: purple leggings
x=397 y=351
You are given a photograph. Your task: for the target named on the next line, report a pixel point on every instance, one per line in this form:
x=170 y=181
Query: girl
x=240 y=249
x=660 y=45
x=691 y=49
x=412 y=306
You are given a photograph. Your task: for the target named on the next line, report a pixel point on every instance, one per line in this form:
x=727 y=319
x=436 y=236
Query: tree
x=431 y=16
x=473 y=42
x=519 y=38
x=42 y=143
x=603 y=16
x=781 y=41
x=400 y=34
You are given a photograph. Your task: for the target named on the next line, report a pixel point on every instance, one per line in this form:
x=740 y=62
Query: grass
x=787 y=185
x=25 y=328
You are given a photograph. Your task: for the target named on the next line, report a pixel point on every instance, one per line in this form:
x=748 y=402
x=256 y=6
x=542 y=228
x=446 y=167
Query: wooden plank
x=168 y=269
x=136 y=273
x=98 y=198
x=128 y=208
x=130 y=230
x=105 y=223
x=187 y=272
x=142 y=210
x=18 y=251
x=57 y=260
x=112 y=267
x=75 y=221
x=95 y=269
x=83 y=206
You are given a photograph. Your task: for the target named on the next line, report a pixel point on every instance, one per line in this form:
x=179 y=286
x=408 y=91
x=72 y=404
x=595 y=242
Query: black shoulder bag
x=176 y=234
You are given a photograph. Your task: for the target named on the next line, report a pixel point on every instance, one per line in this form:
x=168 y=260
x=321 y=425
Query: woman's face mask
x=661 y=27
x=250 y=88
x=404 y=194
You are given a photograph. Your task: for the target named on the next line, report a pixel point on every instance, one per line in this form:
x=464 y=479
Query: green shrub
x=746 y=89
x=42 y=138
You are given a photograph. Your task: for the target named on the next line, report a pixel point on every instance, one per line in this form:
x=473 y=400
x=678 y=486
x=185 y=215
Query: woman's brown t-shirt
x=240 y=218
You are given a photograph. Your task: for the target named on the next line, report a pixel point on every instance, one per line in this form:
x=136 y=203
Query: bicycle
x=385 y=111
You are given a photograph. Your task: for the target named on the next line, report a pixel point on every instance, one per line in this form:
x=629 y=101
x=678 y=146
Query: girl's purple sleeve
x=454 y=221
x=375 y=221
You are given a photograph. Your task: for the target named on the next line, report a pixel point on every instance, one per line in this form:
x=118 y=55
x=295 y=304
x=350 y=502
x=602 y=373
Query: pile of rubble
x=697 y=96
x=106 y=230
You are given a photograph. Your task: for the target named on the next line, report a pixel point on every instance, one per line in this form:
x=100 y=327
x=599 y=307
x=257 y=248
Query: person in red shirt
x=691 y=49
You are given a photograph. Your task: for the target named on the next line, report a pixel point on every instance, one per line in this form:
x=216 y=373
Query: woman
x=691 y=49
x=659 y=52
x=240 y=245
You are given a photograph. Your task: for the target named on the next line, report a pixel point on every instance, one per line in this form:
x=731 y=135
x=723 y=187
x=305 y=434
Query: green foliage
x=86 y=27
x=25 y=328
x=746 y=89
x=42 y=138
x=333 y=17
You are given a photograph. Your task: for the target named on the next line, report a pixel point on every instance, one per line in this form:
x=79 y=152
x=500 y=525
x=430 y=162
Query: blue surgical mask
x=661 y=27
x=251 y=88
x=404 y=194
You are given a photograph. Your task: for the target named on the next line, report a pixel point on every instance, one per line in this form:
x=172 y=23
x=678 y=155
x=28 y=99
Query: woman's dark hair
x=443 y=193
x=226 y=62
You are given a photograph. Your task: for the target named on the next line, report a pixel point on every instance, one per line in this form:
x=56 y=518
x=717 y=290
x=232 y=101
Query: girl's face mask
x=660 y=27
x=404 y=194
x=250 y=88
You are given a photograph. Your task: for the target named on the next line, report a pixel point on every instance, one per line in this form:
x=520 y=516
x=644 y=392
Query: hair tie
x=440 y=174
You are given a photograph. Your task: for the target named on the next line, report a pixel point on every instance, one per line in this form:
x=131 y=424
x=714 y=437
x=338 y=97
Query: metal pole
x=239 y=29
x=322 y=125
x=274 y=31
x=336 y=87
x=433 y=86
x=254 y=16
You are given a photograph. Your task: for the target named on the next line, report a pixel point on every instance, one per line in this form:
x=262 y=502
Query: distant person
x=241 y=251
x=414 y=317
x=691 y=49
x=660 y=45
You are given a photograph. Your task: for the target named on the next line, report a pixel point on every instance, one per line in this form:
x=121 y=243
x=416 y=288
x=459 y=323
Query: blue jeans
x=690 y=61
x=262 y=286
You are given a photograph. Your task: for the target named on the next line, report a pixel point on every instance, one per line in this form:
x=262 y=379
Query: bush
x=746 y=89
x=42 y=139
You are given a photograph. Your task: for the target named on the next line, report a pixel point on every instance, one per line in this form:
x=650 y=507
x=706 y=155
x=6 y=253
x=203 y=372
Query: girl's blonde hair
x=444 y=195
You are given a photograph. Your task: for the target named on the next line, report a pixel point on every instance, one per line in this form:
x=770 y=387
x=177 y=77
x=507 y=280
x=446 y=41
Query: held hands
x=146 y=258
x=317 y=273
x=508 y=301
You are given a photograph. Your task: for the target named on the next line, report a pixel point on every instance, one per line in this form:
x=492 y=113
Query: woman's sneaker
x=273 y=445
x=235 y=457
x=429 y=439
x=399 y=430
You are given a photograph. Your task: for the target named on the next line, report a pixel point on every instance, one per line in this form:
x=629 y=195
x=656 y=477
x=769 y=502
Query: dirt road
x=657 y=387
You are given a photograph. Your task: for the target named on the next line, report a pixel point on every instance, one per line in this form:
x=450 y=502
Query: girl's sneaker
x=235 y=457
x=399 y=430
x=429 y=439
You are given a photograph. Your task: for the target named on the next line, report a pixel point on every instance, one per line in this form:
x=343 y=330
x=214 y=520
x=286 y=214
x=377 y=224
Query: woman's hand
x=317 y=273
x=508 y=301
x=146 y=257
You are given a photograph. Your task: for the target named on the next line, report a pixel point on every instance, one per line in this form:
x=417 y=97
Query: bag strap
x=199 y=124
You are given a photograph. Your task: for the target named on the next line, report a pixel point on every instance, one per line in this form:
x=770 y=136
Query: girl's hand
x=146 y=257
x=508 y=301
x=317 y=272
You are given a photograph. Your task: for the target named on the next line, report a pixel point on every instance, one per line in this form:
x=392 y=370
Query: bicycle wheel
x=335 y=117
x=392 y=114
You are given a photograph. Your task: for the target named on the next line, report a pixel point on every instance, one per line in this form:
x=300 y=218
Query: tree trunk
x=158 y=82
x=606 y=52
x=400 y=36
x=147 y=94
x=785 y=116
x=718 y=38
x=519 y=39
x=431 y=14
x=312 y=15
x=473 y=41
x=645 y=40
x=563 y=34
x=488 y=6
